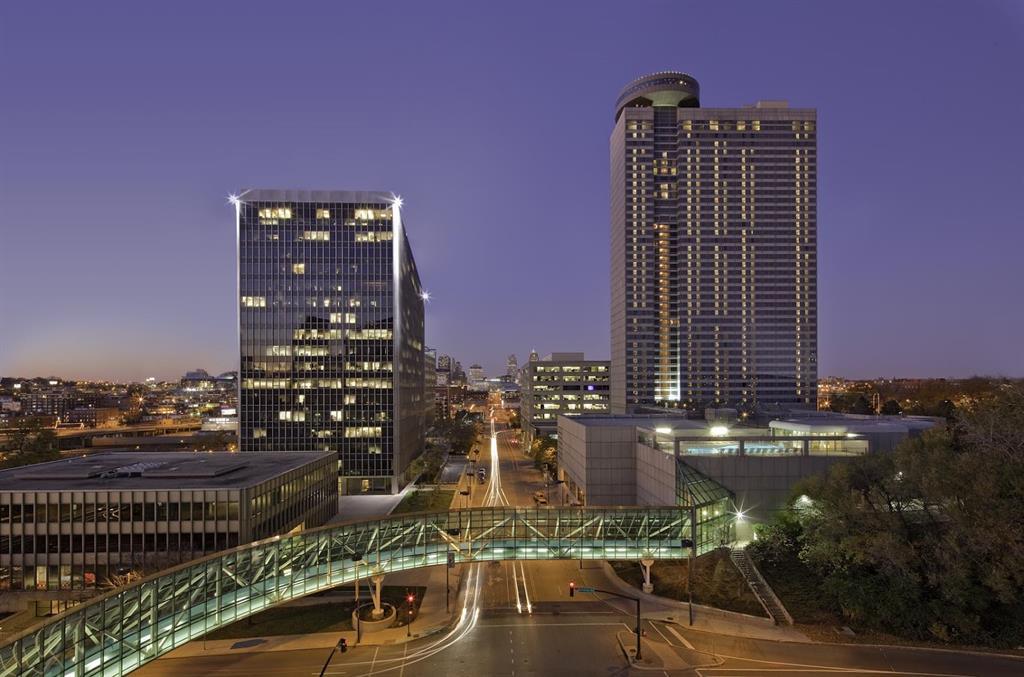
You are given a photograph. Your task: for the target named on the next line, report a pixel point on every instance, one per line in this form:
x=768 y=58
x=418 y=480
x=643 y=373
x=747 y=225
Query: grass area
x=310 y=618
x=716 y=582
x=421 y=500
x=797 y=586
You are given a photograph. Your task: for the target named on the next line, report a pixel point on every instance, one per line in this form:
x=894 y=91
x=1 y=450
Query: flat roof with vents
x=113 y=470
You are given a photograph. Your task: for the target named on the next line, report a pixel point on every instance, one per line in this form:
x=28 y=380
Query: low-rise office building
x=73 y=524
x=561 y=384
x=653 y=459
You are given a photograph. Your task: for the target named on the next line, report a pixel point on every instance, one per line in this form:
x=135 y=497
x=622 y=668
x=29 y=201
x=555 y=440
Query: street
x=519 y=620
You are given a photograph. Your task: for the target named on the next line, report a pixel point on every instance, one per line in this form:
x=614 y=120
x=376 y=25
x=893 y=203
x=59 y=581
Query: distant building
x=95 y=417
x=200 y=379
x=50 y=402
x=331 y=332
x=561 y=383
x=714 y=251
x=444 y=363
x=442 y=402
x=476 y=376
x=512 y=368
x=71 y=524
x=458 y=374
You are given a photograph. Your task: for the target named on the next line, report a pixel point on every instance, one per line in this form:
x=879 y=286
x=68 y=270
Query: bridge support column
x=646 y=565
x=378 y=612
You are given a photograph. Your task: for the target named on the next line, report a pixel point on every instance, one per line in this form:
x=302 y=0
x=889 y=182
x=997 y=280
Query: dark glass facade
x=331 y=332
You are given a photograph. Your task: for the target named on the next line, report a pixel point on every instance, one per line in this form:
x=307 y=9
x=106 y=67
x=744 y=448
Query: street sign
x=451 y=560
x=585 y=589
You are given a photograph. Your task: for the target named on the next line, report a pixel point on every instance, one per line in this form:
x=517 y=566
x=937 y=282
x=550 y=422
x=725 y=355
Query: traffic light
x=343 y=645
x=572 y=588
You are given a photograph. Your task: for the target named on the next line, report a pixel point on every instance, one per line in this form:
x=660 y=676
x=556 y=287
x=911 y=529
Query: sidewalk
x=705 y=618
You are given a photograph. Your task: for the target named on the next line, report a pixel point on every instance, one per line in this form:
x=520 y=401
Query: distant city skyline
x=115 y=262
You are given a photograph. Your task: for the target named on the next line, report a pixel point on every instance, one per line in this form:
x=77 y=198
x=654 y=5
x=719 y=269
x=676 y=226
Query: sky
x=124 y=126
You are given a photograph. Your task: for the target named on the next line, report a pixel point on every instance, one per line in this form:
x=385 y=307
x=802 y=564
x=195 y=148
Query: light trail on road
x=496 y=497
x=470 y=614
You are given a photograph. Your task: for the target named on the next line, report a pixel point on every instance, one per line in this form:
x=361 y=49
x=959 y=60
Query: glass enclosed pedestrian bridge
x=119 y=631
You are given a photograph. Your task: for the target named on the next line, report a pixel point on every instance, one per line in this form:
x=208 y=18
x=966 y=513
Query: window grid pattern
x=714 y=257
x=320 y=343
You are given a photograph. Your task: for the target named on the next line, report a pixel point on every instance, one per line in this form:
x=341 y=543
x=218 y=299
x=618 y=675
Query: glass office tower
x=331 y=331
x=714 y=251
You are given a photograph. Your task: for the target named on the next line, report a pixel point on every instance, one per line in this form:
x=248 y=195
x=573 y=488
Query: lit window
x=275 y=213
x=299 y=268
x=363 y=431
x=254 y=301
x=323 y=213
x=294 y=416
x=316 y=235
x=374 y=236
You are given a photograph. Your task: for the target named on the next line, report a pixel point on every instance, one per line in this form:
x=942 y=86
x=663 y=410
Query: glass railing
x=121 y=630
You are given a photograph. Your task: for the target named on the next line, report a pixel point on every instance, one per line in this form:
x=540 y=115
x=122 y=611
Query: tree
x=926 y=541
x=544 y=450
x=31 y=442
x=891 y=408
x=862 y=406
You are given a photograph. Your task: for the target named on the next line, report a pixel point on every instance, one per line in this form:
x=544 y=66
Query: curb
x=733 y=616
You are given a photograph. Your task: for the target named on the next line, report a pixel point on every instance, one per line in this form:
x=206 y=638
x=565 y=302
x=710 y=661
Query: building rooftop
x=142 y=471
x=667 y=88
x=829 y=422
x=641 y=420
x=315 y=196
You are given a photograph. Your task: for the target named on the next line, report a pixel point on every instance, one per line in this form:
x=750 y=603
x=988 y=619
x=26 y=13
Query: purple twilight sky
x=123 y=127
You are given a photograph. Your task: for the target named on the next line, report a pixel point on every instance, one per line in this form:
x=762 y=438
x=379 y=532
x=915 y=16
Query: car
x=541 y=500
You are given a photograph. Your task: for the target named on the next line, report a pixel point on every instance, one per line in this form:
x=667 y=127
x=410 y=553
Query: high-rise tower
x=714 y=250
x=330 y=331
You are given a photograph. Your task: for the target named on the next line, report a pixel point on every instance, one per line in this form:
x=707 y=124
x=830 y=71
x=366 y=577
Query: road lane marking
x=657 y=630
x=681 y=638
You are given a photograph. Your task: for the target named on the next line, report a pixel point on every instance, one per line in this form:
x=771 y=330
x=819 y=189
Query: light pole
x=573 y=590
x=688 y=542
x=342 y=645
x=357 y=558
x=449 y=565
x=359 y=618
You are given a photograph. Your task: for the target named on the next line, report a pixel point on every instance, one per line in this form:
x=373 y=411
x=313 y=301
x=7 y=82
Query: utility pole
x=573 y=590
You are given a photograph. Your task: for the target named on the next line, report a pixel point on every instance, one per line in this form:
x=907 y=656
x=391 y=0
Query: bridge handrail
x=173 y=606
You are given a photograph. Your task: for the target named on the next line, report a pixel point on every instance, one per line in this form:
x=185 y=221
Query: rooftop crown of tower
x=667 y=88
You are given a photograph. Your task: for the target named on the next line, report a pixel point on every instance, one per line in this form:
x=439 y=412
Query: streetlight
x=448 y=567
x=688 y=543
x=341 y=646
x=573 y=589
